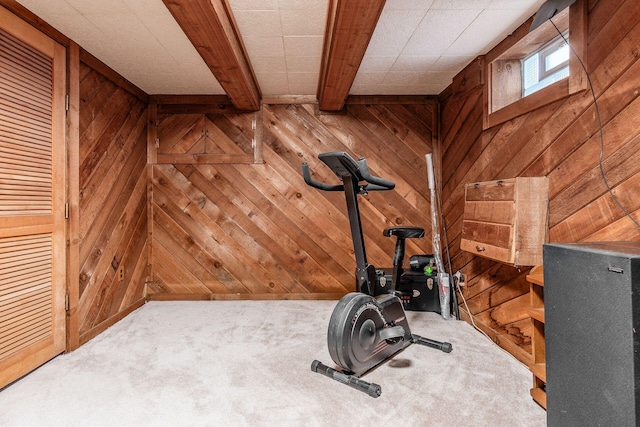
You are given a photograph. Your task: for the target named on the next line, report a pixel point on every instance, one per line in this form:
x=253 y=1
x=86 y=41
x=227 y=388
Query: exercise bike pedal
x=392 y=335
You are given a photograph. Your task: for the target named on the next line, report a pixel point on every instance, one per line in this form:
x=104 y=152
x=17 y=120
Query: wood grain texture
x=112 y=200
x=561 y=141
x=350 y=25
x=241 y=231
x=73 y=198
x=211 y=28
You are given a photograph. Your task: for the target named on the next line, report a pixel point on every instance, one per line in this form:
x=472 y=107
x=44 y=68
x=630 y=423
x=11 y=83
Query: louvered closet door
x=32 y=229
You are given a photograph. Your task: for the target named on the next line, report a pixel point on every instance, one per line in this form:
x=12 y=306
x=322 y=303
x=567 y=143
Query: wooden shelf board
x=537 y=314
x=539 y=370
x=537 y=279
x=540 y=396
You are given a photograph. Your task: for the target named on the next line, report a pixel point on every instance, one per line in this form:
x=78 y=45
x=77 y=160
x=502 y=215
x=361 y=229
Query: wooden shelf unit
x=538 y=367
x=506 y=220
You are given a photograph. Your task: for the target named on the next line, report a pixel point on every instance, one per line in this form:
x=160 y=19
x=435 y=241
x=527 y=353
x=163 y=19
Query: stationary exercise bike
x=417 y=287
x=365 y=329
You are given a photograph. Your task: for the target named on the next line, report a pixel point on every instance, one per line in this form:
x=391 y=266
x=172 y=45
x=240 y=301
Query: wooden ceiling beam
x=350 y=25
x=211 y=28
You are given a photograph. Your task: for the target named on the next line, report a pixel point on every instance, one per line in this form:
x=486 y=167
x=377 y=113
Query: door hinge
x=66 y=302
x=66 y=103
x=66 y=211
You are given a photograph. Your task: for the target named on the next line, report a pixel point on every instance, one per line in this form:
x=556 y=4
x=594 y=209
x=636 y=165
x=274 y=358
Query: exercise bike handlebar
x=375 y=183
x=359 y=170
x=317 y=184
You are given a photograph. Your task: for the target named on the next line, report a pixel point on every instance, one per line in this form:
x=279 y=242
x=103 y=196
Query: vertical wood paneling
x=112 y=202
x=239 y=230
x=73 y=197
x=561 y=141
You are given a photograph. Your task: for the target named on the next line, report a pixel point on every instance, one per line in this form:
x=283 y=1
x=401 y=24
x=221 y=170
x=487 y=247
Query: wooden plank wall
x=225 y=230
x=561 y=141
x=112 y=183
x=106 y=190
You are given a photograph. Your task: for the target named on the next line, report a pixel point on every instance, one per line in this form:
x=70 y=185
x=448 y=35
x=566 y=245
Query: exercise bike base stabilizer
x=364 y=330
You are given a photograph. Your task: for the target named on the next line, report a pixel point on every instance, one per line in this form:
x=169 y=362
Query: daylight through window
x=545 y=66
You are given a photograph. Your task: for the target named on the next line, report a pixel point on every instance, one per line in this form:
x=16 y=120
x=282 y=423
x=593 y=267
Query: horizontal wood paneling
x=112 y=199
x=560 y=140
x=257 y=230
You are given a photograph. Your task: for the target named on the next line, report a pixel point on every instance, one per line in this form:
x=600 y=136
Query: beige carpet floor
x=247 y=363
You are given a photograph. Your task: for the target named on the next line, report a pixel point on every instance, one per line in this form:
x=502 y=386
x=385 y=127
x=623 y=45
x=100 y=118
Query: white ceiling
x=417 y=47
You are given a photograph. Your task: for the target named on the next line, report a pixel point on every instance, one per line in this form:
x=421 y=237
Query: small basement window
x=545 y=66
x=531 y=69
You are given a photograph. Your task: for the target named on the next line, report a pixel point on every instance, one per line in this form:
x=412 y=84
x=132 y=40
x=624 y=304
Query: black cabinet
x=592 y=320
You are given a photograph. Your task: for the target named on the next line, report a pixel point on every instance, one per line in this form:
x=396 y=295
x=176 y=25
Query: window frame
x=553 y=46
x=502 y=92
x=541 y=55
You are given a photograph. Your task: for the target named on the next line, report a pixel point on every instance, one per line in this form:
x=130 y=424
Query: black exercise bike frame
x=351 y=175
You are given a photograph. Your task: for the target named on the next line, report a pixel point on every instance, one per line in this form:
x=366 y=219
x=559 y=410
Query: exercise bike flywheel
x=354 y=339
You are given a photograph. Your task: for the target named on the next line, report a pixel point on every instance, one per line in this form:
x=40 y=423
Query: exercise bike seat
x=404 y=232
x=401 y=234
